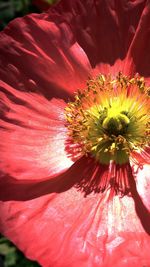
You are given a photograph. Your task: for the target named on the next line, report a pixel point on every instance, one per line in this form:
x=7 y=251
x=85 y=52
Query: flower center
x=115 y=124
x=109 y=119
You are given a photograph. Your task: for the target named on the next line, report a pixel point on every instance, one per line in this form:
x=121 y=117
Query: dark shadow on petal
x=42 y=87
x=103 y=28
x=139 y=49
x=141 y=210
x=87 y=176
x=12 y=189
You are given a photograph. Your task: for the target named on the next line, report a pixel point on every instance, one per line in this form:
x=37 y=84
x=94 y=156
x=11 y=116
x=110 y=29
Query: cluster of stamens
x=109 y=119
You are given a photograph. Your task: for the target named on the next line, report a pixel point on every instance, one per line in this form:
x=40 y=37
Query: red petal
x=69 y=230
x=142 y=157
x=138 y=54
x=33 y=135
x=42 y=55
x=57 y=56
x=104 y=29
x=65 y=229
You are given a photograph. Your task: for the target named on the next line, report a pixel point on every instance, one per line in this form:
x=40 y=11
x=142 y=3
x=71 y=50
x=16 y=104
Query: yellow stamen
x=109 y=119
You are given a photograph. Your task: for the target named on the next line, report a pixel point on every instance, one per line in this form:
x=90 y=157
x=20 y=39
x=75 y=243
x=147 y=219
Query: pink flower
x=74 y=183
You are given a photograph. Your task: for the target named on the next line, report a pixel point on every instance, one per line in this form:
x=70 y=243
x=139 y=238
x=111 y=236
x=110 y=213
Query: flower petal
x=104 y=29
x=138 y=54
x=64 y=228
x=68 y=230
x=141 y=157
x=33 y=135
x=41 y=55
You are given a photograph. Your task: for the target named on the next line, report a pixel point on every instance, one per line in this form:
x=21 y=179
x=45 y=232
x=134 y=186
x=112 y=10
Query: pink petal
x=12 y=189
x=67 y=229
x=142 y=157
x=42 y=55
x=33 y=136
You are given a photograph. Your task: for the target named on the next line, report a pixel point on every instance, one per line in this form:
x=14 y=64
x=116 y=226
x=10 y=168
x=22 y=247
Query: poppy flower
x=75 y=134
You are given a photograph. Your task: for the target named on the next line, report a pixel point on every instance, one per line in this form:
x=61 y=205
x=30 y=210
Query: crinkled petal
x=33 y=136
x=72 y=37
x=104 y=29
x=62 y=227
x=67 y=229
x=132 y=32
x=40 y=55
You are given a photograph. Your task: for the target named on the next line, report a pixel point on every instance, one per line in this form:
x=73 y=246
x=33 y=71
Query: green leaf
x=12 y=256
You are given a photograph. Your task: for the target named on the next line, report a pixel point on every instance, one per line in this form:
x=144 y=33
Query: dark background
x=10 y=9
